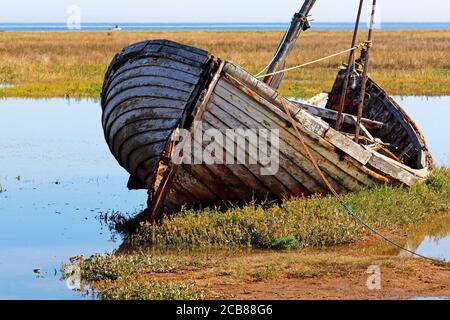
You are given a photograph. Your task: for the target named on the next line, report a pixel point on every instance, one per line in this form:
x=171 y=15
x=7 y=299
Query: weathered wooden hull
x=399 y=132
x=228 y=97
x=146 y=91
x=239 y=100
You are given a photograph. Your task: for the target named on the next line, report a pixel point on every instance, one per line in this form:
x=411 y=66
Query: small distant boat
x=116 y=28
x=154 y=88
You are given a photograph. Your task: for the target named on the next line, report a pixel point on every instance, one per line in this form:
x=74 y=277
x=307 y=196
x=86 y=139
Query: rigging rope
x=337 y=195
x=363 y=44
x=273 y=58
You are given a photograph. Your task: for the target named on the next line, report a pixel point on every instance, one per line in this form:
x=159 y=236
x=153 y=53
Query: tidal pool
x=57 y=177
x=431 y=238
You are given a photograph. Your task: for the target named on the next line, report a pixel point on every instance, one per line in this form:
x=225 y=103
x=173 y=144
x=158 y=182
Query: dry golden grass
x=73 y=64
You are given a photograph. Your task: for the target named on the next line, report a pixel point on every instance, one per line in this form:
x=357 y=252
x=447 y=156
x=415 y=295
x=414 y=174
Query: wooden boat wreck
x=152 y=89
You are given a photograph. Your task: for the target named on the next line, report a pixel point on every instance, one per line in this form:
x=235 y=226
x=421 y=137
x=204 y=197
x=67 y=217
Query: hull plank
x=319 y=147
x=155 y=88
x=147 y=90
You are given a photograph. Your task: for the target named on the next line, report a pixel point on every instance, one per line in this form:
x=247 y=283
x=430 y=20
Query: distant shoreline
x=276 y=26
x=72 y=64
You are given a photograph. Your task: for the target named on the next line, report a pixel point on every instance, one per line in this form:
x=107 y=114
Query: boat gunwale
x=321 y=143
x=412 y=175
x=292 y=143
x=397 y=116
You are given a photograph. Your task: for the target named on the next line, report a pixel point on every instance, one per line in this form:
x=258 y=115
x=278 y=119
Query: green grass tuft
x=307 y=222
x=285 y=243
x=267 y=272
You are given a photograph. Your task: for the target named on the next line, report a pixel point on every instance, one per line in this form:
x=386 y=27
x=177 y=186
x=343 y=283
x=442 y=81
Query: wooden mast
x=350 y=66
x=299 y=23
x=365 y=57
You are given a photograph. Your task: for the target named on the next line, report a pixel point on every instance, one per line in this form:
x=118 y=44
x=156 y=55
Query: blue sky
x=216 y=10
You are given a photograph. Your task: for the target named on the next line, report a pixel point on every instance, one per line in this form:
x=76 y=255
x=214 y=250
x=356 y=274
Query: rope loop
x=359 y=46
x=368 y=44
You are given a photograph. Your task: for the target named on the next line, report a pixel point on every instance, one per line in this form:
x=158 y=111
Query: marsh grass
x=214 y=247
x=119 y=277
x=136 y=281
x=135 y=289
x=72 y=64
x=99 y=268
x=308 y=222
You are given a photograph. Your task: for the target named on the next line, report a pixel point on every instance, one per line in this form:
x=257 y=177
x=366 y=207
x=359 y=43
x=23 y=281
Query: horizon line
x=209 y=22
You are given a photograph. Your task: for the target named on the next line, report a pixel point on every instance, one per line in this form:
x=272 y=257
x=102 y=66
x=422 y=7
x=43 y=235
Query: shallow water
x=433 y=238
x=136 y=26
x=57 y=177
x=431 y=298
x=435 y=247
x=430 y=239
x=432 y=115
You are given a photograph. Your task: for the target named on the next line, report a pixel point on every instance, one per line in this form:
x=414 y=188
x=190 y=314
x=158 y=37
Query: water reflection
x=431 y=239
x=56 y=177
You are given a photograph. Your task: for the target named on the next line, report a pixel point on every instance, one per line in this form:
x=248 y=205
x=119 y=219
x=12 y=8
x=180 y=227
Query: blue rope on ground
x=340 y=199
